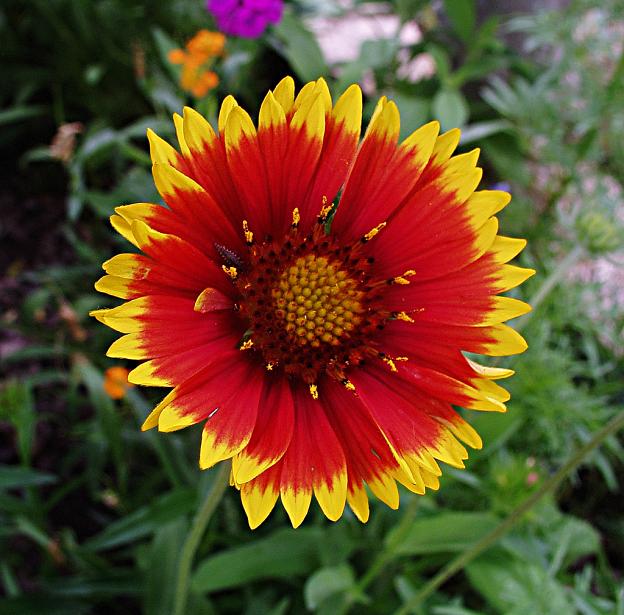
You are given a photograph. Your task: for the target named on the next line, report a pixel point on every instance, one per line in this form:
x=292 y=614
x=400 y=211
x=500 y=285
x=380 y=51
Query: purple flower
x=246 y=18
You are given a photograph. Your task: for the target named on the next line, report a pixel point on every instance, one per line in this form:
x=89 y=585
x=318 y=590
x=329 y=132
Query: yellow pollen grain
x=348 y=385
x=246 y=345
x=314 y=391
x=402 y=279
x=374 y=231
x=325 y=209
x=231 y=271
x=248 y=233
x=296 y=217
x=404 y=317
x=390 y=363
x=317 y=301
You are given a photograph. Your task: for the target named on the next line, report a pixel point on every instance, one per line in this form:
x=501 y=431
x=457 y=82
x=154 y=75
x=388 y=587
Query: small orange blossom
x=116 y=382
x=196 y=77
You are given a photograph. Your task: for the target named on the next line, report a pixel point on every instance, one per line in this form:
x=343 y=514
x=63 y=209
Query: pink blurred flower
x=416 y=69
x=532 y=478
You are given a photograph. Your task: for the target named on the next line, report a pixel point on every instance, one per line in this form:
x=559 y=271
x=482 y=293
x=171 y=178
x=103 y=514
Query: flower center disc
x=317 y=302
x=309 y=306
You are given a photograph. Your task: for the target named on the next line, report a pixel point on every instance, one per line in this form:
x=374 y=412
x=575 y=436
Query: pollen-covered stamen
x=296 y=218
x=404 y=316
x=390 y=361
x=232 y=272
x=374 y=231
x=402 y=279
x=314 y=391
x=248 y=234
x=325 y=211
x=348 y=385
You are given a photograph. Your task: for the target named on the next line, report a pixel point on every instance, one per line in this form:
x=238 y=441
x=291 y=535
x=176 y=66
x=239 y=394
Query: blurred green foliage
x=93 y=512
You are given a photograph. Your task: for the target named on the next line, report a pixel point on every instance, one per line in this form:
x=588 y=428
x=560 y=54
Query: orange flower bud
x=116 y=381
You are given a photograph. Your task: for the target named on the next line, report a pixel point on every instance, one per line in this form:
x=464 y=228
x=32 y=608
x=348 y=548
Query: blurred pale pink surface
x=340 y=38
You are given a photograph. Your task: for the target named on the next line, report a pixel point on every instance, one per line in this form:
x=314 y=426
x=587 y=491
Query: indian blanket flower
x=319 y=342
x=245 y=18
x=196 y=60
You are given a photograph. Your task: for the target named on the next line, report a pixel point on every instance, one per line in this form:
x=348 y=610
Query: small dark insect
x=230 y=258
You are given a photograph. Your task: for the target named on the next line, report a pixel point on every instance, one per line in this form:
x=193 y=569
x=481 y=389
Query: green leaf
x=517 y=587
x=114 y=583
x=42 y=604
x=34 y=351
x=494 y=431
x=446 y=532
x=462 y=15
x=479 y=68
x=414 y=112
x=165 y=44
x=300 y=48
x=95 y=143
x=136 y=185
x=504 y=154
x=17 y=114
x=450 y=108
x=453 y=610
x=442 y=61
x=9 y=582
x=327 y=582
x=284 y=554
x=165 y=550
x=17 y=405
x=481 y=130
x=571 y=539
x=12 y=477
x=109 y=421
x=145 y=520
x=378 y=54
x=350 y=73
x=407 y=10
x=404 y=588
x=74 y=207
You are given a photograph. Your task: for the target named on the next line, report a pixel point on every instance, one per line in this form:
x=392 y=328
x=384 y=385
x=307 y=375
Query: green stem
x=502 y=528
x=193 y=538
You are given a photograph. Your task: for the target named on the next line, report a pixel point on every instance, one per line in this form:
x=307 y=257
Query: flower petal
x=272 y=433
x=314 y=462
x=260 y=495
x=226 y=395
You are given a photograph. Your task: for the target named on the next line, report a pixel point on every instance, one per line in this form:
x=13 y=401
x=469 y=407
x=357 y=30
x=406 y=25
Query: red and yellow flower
x=318 y=338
